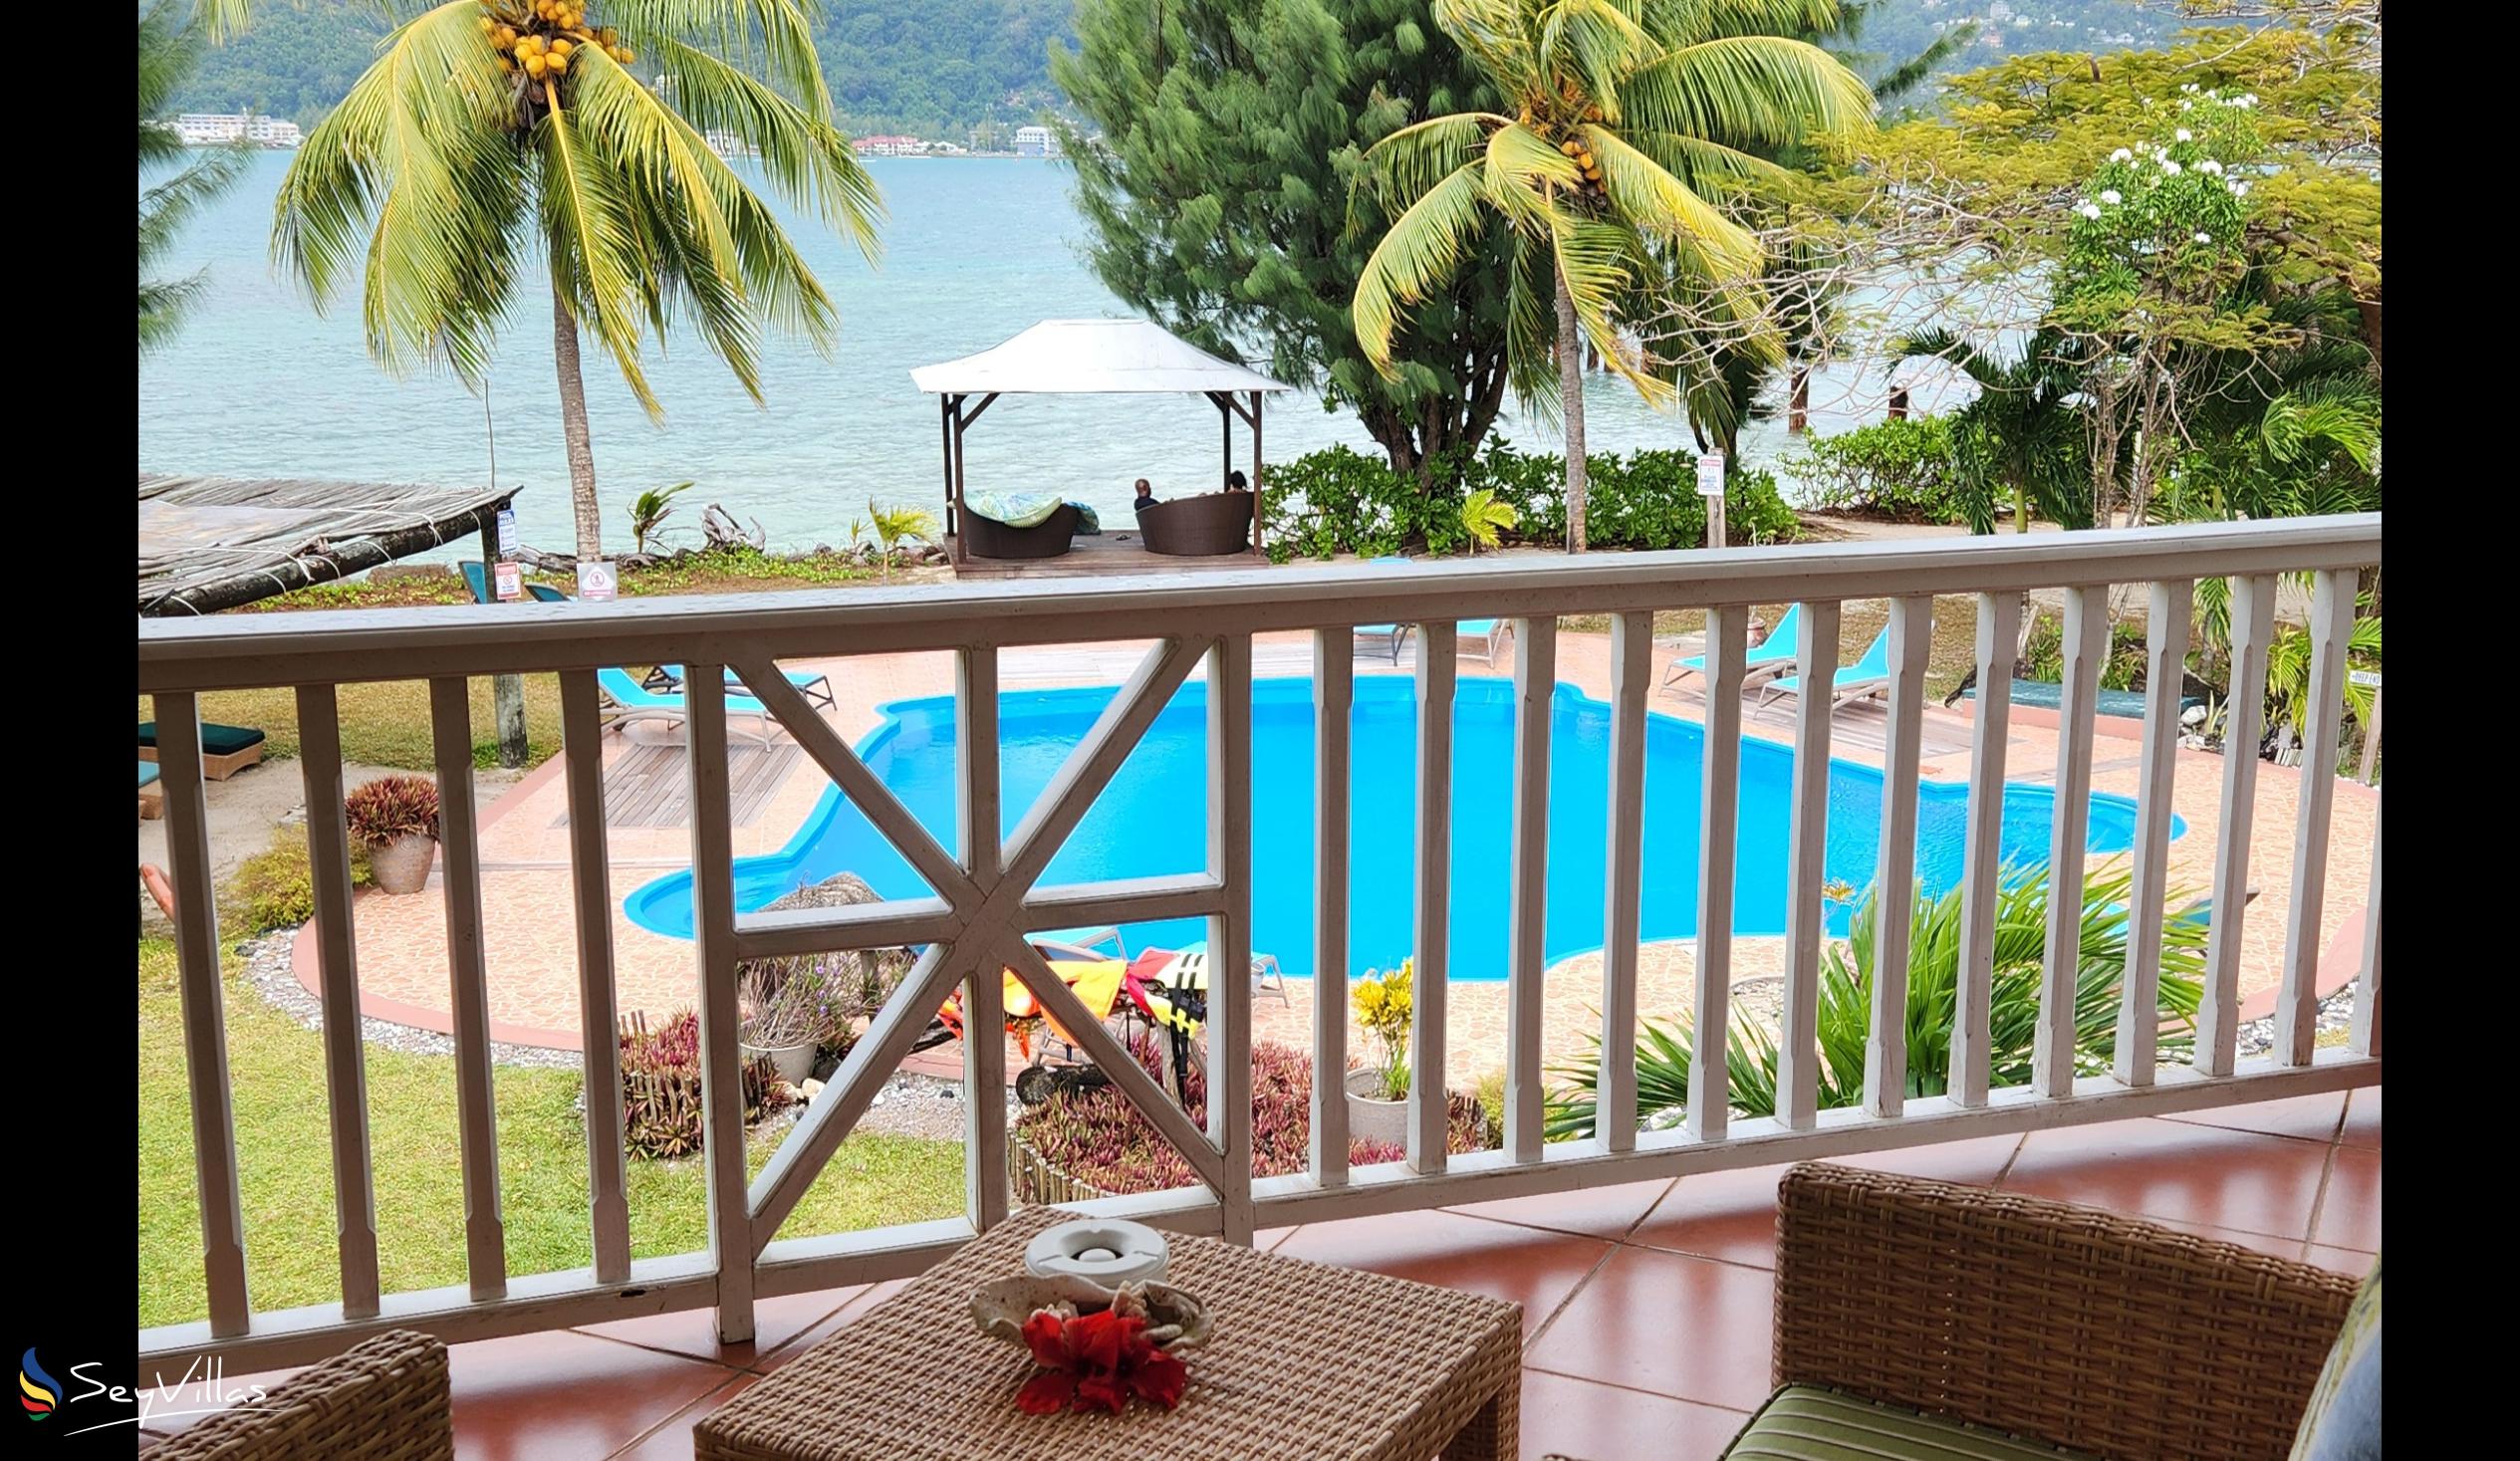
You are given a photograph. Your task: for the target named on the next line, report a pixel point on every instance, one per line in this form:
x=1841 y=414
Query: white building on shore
x=219 y=129
x=1036 y=141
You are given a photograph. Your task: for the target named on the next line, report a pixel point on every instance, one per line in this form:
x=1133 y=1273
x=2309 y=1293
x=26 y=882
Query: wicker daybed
x=984 y=537
x=1198 y=527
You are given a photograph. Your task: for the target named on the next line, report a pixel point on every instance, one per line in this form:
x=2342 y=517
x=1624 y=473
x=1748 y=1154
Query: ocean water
x=1151 y=820
x=261 y=384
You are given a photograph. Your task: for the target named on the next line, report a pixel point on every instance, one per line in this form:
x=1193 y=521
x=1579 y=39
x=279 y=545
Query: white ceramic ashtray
x=1105 y=1253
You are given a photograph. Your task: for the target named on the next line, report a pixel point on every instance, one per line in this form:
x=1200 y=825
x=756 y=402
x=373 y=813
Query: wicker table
x=1308 y=1363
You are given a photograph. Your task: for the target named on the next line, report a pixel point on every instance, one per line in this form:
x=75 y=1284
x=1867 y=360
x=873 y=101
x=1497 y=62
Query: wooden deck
x=1097 y=556
x=651 y=786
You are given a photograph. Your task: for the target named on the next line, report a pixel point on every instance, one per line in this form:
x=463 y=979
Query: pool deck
x=532 y=951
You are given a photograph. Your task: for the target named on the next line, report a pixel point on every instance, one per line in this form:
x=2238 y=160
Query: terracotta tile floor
x=1647 y=1307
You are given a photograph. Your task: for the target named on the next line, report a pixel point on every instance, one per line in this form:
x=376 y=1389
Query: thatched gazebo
x=213 y=543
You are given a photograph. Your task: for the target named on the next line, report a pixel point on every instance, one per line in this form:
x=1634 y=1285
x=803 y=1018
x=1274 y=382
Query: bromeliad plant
x=660 y=1086
x=1665 y=1049
x=1383 y=1002
x=392 y=807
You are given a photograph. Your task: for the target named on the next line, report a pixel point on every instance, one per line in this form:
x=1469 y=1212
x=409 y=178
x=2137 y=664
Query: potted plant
x=395 y=816
x=787 y=1014
x=1378 y=1095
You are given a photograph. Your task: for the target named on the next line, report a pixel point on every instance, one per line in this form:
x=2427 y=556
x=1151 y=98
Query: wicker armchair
x=384 y=1399
x=1198 y=527
x=1904 y=1304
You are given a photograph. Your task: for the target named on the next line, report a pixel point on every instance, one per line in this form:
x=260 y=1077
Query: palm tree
x=1626 y=116
x=491 y=129
x=169 y=48
x=2022 y=434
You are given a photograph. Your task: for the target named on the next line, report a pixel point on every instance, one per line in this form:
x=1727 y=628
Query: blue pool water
x=1151 y=819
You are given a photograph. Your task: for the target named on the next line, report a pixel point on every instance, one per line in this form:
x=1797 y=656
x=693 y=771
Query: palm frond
x=1749 y=92
x=1660 y=206
x=1416 y=256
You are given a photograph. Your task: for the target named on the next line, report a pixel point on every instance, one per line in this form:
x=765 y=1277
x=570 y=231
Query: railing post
x=1806 y=869
x=1718 y=846
x=1229 y=929
x=2243 y=727
x=1526 y=994
x=336 y=968
x=1334 y=695
x=1982 y=868
x=204 y=1013
x=731 y=1243
x=476 y=1098
x=2297 y=1002
x=2166 y=673
x=984 y=987
x=2086 y=650
x=1430 y=1111
x=2363 y=1037
x=598 y=1019
x=1895 y=878
x=1631 y=681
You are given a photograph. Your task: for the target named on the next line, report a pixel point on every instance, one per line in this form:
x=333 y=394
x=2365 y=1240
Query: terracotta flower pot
x=402 y=866
x=1369 y=1116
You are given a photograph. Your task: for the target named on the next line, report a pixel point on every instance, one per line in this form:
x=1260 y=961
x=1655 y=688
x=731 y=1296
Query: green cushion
x=216 y=740
x=1809 y=1423
x=2343 y=1421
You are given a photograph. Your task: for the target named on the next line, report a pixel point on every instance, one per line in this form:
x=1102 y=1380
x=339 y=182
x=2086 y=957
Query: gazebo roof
x=213 y=543
x=1088 y=357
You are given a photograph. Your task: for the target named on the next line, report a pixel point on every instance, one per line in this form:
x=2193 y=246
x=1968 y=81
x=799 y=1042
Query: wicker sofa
x=988 y=537
x=383 y=1400
x=1198 y=527
x=1935 y=1321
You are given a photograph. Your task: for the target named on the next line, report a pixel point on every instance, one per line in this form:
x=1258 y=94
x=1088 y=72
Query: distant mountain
x=940 y=68
x=934 y=67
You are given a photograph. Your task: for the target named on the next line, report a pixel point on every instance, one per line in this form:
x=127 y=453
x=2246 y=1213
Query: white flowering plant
x=2161 y=219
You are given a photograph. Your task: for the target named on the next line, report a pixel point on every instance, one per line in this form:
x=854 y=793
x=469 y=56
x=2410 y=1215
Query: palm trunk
x=573 y=429
x=1571 y=400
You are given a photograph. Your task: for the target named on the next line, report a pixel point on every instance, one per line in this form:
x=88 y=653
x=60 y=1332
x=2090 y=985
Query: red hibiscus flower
x=1095 y=1361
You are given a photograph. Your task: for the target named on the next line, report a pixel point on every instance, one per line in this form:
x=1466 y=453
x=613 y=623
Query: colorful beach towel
x=1014 y=509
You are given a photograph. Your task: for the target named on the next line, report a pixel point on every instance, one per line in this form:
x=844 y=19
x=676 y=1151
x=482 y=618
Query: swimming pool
x=1151 y=820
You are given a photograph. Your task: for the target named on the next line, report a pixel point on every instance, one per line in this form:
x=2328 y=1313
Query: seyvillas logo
x=39 y=1392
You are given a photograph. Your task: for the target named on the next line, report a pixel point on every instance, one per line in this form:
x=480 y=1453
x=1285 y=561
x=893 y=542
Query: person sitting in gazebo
x=1236 y=482
x=1145 y=496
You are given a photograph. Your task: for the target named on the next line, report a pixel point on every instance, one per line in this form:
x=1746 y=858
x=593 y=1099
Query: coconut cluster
x=1567 y=131
x=540 y=38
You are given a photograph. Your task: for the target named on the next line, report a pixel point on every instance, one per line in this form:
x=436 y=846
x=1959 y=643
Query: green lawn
x=284 y=1152
x=385 y=722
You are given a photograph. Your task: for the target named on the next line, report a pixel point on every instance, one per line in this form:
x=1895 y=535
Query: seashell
x=1175 y=1319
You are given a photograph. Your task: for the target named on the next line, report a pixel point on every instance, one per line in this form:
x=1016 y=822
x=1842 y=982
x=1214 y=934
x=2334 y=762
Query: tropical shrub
x=660 y=1086
x=1096 y=1136
x=1665 y=1049
x=275 y=888
x=1906 y=471
x=1339 y=500
x=392 y=807
x=1382 y=1003
x=2043 y=653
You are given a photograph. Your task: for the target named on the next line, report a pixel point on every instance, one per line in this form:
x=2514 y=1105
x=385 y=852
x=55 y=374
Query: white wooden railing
x=990 y=895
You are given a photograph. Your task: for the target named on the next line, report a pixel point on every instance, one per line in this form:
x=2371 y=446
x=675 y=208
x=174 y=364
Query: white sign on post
x=2362 y=679
x=507 y=531
x=511 y=580
x=1711 y=474
x=595 y=582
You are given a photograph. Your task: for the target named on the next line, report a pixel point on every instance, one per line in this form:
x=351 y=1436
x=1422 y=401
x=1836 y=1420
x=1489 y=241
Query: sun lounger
x=1266 y=976
x=1393 y=635
x=225 y=748
x=477 y=578
x=1482 y=638
x=630 y=701
x=1867 y=676
x=815 y=685
x=152 y=796
x=1768 y=658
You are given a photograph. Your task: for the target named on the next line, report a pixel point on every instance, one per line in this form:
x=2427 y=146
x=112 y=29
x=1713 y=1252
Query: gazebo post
x=953 y=452
x=946 y=436
x=1257 y=542
x=1226 y=422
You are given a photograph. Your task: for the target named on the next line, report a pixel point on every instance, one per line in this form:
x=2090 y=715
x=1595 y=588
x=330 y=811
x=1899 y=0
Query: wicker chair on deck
x=1931 y=1321
x=383 y=1399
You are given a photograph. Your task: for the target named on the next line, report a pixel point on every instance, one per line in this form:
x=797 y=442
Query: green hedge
x=1906 y=471
x=1342 y=501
